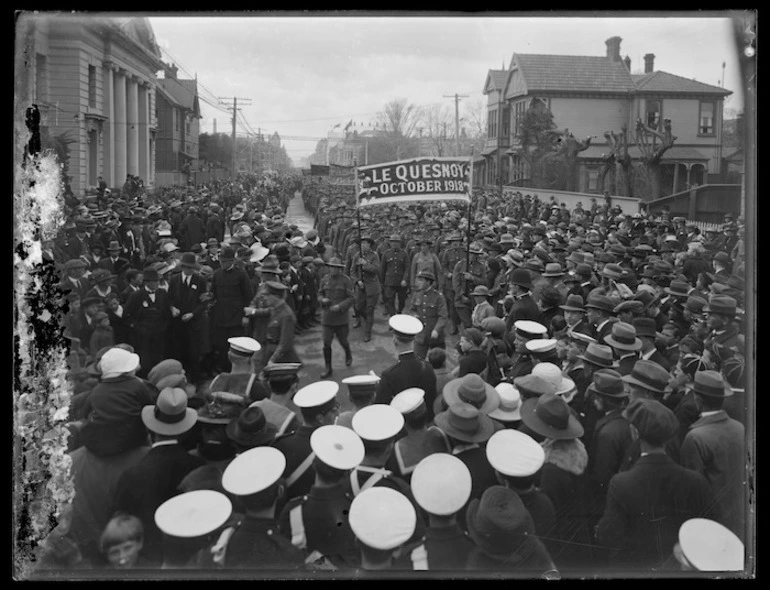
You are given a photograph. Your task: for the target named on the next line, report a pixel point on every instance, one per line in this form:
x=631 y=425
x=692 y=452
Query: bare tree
x=434 y=121
x=652 y=152
x=399 y=120
x=475 y=116
x=617 y=163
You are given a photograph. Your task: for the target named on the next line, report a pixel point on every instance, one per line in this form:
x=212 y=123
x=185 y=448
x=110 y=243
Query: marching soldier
x=464 y=280
x=336 y=296
x=449 y=259
x=394 y=270
x=365 y=272
x=429 y=307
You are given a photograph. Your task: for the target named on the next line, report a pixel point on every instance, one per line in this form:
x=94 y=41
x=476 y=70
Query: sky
x=304 y=74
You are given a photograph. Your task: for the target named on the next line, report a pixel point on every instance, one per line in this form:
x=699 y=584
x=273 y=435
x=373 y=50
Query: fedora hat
x=188 y=261
x=612 y=271
x=607 y=383
x=645 y=327
x=335 y=262
x=170 y=415
x=649 y=375
x=550 y=416
x=721 y=304
x=471 y=389
x=655 y=422
x=576 y=257
x=710 y=384
x=101 y=275
x=532 y=386
x=553 y=269
x=465 y=423
x=574 y=303
x=114 y=246
x=551 y=373
x=251 y=428
x=499 y=523
x=678 y=289
x=598 y=301
x=623 y=337
x=509 y=409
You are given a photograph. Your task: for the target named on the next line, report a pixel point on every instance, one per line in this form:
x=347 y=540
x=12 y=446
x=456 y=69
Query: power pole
x=235 y=115
x=457 y=98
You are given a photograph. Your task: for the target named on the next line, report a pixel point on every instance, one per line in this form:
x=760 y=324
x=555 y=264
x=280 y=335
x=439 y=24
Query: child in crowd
x=102 y=335
x=121 y=541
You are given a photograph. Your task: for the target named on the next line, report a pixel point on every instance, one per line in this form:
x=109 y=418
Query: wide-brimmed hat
x=607 y=383
x=550 y=416
x=335 y=262
x=574 y=303
x=602 y=302
x=623 y=337
x=509 y=409
x=598 y=354
x=646 y=296
x=550 y=373
x=499 y=523
x=648 y=375
x=464 y=422
x=101 y=275
x=251 y=428
x=472 y=389
x=170 y=415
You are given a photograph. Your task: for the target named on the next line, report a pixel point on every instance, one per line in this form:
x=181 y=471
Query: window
x=652 y=117
x=492 y=123
x=518 y=110
x=40 y=77
x=593 y=180
x=92 y=86
x=506 y=124
x=176 y=120
x=706 y=119
x=187 y=125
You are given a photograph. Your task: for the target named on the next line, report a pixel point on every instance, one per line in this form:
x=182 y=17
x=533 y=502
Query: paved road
x=376 y=355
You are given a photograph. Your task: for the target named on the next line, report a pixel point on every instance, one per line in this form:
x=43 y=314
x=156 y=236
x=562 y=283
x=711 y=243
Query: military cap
x=405 y=327
x=408 y=400
x=316 y=394
x=514 y=453
x=441 y=484
x=362 y=385
x=243 y=345
x=382 y=518
x=337 y=446
x=529 y=329
x=281 y=371
x=541 y=345
x=193 y=514
x=253 y=470
x=709 y=546
x=377 y=422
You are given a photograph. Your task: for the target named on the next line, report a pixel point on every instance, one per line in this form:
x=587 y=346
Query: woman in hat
x=562 y=476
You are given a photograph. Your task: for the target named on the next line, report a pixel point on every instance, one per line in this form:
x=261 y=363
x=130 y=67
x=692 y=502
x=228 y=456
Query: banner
x=341 y=171
x=419 y=179
x=316 y=170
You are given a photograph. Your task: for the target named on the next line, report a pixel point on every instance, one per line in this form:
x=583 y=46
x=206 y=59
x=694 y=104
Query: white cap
x=552 y=374
x=361 y=385
x=441 y=484
x=514 y=453
x=244 y=344
x=405 y=326
x=377 y=422
x=408 y=400
x=710 y=546
x=316 y=394
x=530 y=328
x=540 y=346
x=382 y=518
x=193 y=514
x=337 y=446
x=117 y=361
x=253 y=471
x=509 y=409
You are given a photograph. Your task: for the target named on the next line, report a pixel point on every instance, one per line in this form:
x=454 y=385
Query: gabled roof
x=496 y=80
x=661 y=82
x=572 y=73
x=183 y=93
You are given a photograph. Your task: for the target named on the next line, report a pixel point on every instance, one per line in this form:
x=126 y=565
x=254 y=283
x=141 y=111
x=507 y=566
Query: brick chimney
x=171 y=71
x=627 y=61
x=649 y=63
x=613 y=48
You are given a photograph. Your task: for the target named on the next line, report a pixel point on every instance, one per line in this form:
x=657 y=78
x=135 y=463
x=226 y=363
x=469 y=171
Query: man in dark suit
x=409 y=371
x=599 y=310
x=144 y=487
x=647 y=504
x=184 y=291
x=114 y=263
x=148 y=310
x=646 y=332
x=74 y=280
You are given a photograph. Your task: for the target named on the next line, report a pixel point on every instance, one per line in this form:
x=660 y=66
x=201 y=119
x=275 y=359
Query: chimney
x=627 y=61
x=613 y=48
x=171 y=71
x=649 y=63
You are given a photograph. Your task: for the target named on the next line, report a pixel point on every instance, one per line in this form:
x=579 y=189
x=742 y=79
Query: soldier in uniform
x=521 y=360
x=279 y=336
x=409 y=371
x=149 y=312
x=319 y=407
x=318 y=521
x=336 y=297
x=425 y=259
x=464 y=280
x=255 y=540
x=242 y=379
x=365 y=271
x=429 y=306
x=361 y=390
x=449 y=259
x=278 y=408
x=394 y=270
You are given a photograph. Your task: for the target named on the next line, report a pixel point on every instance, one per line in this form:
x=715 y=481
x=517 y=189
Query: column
x=108 y=168
x=132 y=132
x=119 y=87
x=676 y=178
x=144 y=133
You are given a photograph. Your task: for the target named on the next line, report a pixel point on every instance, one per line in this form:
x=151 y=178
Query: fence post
x=693 y=200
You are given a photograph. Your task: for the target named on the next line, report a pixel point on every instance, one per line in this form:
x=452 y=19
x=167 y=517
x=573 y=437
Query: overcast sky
x=305 y=74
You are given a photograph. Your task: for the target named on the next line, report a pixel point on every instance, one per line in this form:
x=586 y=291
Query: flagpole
x=358 y=206
x=470 y=204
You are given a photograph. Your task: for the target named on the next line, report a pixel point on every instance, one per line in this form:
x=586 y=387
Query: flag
x=348 y=125
x=337 y=125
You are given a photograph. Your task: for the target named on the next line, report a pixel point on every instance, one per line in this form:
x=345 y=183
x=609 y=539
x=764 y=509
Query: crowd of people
x=590 y=418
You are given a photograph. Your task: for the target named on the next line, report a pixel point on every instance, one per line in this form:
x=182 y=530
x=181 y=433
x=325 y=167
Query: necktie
x=187 y=281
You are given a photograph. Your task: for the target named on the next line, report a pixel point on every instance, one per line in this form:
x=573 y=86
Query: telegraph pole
x=235 y=115
x=457 y=98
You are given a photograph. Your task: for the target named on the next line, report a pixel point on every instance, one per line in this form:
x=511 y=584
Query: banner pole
x=470 y=205
x=358 y=205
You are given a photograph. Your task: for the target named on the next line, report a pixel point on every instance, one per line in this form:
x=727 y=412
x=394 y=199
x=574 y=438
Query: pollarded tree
x=617 y=163
x=537 y=141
